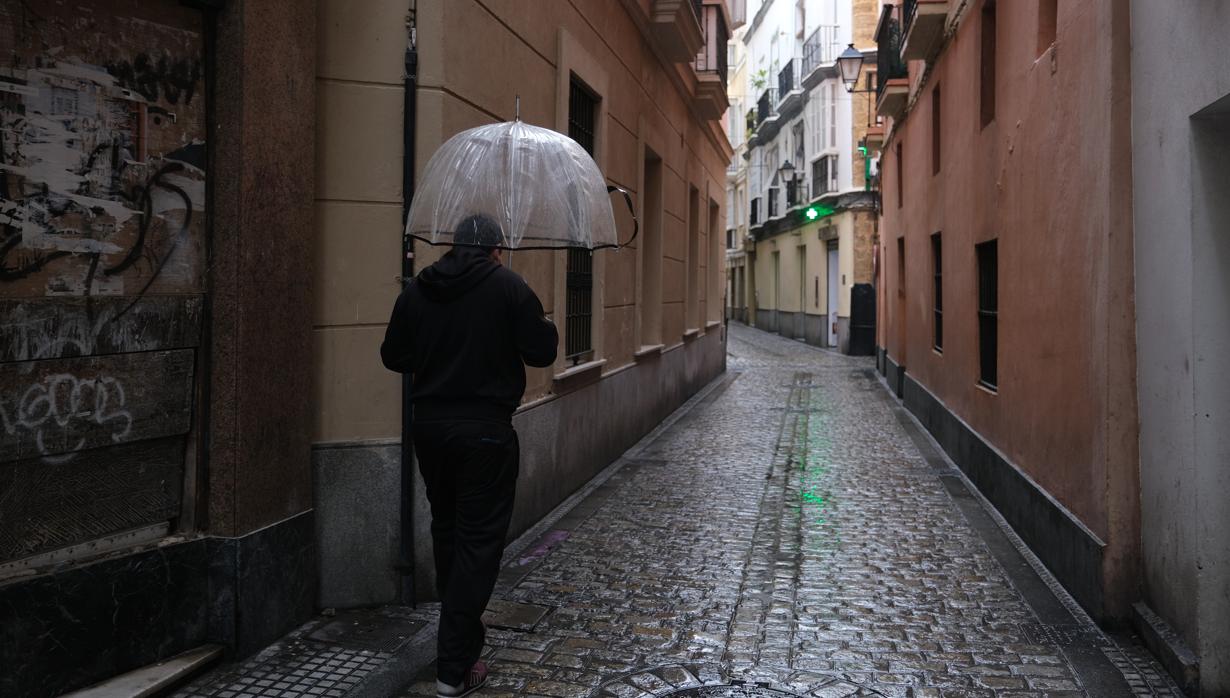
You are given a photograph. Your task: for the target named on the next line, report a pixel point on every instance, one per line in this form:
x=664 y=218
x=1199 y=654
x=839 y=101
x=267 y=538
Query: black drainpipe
x=406 y=563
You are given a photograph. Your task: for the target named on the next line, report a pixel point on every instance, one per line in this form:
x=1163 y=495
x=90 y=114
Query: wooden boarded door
x=102 y=251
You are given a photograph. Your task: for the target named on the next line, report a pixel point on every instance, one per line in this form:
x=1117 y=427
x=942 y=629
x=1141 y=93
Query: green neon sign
x=817 y=212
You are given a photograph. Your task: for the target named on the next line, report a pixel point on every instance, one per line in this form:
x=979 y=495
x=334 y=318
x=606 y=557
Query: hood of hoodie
x=456 y=274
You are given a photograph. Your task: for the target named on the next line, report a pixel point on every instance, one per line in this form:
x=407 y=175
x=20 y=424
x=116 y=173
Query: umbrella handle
x=636 y=224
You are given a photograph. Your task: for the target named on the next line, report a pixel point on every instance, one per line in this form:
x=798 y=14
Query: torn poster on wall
x=102 y=149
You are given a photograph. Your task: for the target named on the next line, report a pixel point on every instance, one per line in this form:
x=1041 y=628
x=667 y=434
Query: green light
x=816 y=212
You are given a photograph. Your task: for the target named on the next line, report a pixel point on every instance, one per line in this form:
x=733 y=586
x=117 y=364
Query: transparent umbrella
x=539 y=186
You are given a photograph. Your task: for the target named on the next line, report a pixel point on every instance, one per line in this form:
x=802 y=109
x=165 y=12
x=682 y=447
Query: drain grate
x=1063 y=635
x=712 y=681
x=731 y=690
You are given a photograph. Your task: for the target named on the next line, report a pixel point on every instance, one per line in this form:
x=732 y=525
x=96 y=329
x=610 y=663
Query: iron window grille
x=988 y=313
x=579 y=284
x=937 y=256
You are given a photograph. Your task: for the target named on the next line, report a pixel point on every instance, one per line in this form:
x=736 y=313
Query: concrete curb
x=395 y=674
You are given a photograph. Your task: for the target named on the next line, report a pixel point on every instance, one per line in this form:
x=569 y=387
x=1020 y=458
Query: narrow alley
x=793 y=528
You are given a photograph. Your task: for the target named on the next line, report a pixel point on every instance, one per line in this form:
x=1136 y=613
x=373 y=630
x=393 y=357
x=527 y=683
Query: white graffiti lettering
x=58 y=412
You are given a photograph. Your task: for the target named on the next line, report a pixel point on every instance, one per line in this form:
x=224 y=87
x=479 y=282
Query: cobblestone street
x=793 y=529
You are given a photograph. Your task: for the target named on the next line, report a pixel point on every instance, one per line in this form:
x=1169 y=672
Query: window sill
x=711 y=324
x=648 y=351
x=576 y=376
x=691 y=334
x=989 y=390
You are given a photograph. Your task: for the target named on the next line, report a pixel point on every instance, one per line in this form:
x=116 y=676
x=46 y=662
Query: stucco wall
x=1049 y=178
x=1182 y=279
x=530 y=52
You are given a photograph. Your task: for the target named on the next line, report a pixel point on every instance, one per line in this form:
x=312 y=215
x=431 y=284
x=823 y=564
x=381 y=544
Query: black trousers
x=470 y=469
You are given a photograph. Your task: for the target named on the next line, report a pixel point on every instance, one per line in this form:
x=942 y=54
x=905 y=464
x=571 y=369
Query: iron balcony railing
x=787 y=79
x=909 y=8
x=751 y=121
x=888 y=54
x=766 y=106
x=821 y=48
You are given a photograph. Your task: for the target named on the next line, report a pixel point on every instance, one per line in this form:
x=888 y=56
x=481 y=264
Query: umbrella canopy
x=539 y=187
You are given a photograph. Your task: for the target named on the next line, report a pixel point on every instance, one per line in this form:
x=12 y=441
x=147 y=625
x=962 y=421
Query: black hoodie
x=463 y=328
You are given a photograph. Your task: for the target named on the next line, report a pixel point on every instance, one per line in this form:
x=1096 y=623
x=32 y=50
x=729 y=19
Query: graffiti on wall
x=102 y=172
x=51 y=409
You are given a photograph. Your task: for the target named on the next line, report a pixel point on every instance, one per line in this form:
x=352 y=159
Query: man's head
x=480 y=231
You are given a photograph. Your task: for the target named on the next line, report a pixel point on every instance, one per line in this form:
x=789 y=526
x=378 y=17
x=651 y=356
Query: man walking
x=462 y=328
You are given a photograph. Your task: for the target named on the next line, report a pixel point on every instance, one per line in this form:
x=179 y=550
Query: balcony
x=820 y=53
x=710 y=63
x=766 y=107
x=675 y=26
x=789 y=90
x=874 y=138
x=922 y=28
x=893 y=84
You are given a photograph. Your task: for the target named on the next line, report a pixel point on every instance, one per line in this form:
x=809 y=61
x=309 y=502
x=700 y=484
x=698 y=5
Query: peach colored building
x=642 y=85
x=1005 y=291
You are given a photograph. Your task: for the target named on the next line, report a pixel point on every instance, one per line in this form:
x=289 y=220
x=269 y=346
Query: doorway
x=834 y=291
x=773 y=325
x=800 y=318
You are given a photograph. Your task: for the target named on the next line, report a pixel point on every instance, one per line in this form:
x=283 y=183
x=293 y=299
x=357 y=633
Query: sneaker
x=474 y=680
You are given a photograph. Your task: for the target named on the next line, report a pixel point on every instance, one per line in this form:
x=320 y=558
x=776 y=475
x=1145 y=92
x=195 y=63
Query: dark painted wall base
x=895 y=375
x=79 y=625
x=881 y=361
x=262 y=585
x=1068 y=549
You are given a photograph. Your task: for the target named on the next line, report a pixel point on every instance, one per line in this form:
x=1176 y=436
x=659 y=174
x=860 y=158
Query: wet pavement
x=790 y=531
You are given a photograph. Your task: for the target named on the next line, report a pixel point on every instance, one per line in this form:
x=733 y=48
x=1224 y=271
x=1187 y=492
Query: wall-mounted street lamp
x=850 y=64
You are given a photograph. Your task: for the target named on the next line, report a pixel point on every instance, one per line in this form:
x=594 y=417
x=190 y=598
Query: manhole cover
x=367 y=631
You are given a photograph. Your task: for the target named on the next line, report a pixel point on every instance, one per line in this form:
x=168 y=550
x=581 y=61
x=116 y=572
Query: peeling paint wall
x=102 y=248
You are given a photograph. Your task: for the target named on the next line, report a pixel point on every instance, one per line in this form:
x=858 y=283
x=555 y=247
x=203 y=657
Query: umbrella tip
x=517 y=112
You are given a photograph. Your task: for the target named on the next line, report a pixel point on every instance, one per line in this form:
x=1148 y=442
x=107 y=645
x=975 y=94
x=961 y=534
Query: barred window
x=988 y=313
x=937 y=264
x=579 y=284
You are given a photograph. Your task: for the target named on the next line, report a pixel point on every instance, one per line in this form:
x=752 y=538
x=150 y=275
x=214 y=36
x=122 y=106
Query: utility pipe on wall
x=406 y=544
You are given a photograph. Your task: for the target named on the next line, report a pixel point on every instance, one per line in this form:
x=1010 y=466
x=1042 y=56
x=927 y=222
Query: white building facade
x=800 y=182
